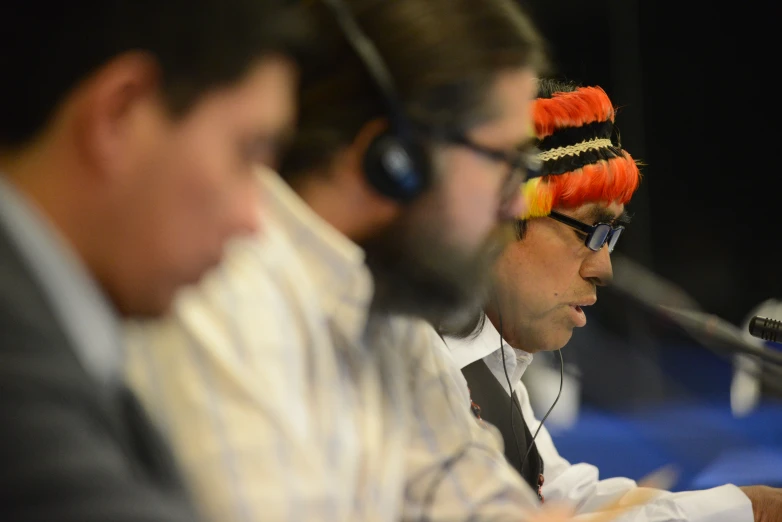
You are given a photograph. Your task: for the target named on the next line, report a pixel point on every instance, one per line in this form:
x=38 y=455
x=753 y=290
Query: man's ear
x=352 y=182
x=366 y=135
x=107 y=110
x=352 y=161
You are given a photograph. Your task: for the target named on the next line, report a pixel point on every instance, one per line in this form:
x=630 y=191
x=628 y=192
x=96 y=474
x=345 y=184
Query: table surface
x=705 y=442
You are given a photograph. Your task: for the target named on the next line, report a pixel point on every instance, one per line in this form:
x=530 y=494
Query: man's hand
x=766 y=503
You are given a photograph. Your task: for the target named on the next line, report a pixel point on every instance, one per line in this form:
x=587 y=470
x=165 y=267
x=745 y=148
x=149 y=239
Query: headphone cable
x=512 y=392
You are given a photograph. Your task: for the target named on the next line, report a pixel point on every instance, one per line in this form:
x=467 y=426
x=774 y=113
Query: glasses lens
x=614 y=239
x=597 y=239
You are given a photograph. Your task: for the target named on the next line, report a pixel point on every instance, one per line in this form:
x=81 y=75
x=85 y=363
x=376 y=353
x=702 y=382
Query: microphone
x=712 y=330
x=766 y=329
x=646 y=287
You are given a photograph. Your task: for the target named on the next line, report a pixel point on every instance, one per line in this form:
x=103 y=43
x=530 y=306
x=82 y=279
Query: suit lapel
x=25 y=311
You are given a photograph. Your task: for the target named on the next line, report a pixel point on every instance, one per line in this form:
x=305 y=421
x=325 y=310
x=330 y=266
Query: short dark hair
x=469 y=327
x=443 y=55
x=48 y=48
x=547 y=87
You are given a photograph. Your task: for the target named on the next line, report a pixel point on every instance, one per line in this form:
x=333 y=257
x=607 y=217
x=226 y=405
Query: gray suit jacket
x=70 y=450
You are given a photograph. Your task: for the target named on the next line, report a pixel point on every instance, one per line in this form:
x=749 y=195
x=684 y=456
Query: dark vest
x=492 y=404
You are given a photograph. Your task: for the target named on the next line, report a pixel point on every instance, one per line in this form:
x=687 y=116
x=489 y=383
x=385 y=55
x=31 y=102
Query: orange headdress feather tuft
x=571 y=109
x=579 y=166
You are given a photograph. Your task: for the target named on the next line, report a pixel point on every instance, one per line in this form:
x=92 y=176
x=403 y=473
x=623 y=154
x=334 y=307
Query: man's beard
x=418 y=272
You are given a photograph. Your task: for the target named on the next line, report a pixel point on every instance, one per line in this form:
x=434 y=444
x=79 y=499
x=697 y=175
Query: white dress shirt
x=284 y=400
x=580 y=484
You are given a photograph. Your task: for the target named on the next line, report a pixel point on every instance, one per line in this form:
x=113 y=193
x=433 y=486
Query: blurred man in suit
x=129 y=131
x=543 y=282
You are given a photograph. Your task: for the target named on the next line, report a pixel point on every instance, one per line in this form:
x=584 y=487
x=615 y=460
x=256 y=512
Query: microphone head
x=765 y=328
x=754 y=327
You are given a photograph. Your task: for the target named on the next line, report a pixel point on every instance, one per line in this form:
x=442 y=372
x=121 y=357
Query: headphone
x=395 y=164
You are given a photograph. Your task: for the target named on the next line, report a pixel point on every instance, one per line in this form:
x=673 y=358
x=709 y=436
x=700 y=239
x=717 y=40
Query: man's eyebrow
x=624 y=218
x=602 y=215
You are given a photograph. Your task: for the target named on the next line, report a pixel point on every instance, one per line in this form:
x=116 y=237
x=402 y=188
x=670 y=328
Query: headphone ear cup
x=395 y=169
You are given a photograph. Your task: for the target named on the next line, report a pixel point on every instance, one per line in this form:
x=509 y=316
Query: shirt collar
x=487 y=343
x=88 y=318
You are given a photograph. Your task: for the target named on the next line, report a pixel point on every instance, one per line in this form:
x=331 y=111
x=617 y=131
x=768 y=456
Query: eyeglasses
x=597 y=235
x=524 y=163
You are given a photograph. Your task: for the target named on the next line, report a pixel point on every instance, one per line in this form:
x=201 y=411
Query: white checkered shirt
x=284 y=400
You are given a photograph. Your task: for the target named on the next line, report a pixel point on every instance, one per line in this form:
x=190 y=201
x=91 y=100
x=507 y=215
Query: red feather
x=571 y=109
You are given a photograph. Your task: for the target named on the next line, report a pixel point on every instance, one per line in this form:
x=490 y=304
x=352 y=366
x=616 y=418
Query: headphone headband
x=373 y=63
x=394 y=163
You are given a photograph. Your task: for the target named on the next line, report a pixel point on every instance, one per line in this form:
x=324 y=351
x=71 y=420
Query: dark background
x=698 y=106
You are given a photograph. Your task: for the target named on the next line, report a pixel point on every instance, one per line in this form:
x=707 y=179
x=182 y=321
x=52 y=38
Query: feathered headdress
x=579 y=162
